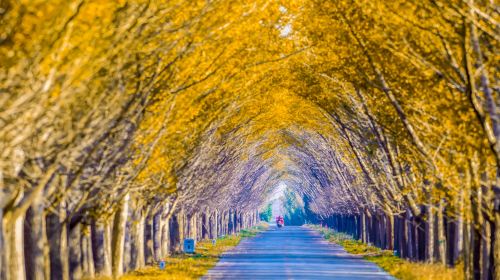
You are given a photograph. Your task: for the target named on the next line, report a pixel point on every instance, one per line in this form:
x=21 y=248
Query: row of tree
x=106 y=108
x=411 y=88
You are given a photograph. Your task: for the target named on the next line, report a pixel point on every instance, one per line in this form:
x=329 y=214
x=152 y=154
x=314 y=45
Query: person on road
x=280 y=222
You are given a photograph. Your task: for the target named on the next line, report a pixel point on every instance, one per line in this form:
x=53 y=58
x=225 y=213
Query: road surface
x=292 y=253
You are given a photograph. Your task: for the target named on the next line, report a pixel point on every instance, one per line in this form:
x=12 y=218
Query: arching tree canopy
x=359 y=107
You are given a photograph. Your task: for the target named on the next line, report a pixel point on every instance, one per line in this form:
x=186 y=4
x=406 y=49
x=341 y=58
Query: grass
x=399 y=268
x=183 y=266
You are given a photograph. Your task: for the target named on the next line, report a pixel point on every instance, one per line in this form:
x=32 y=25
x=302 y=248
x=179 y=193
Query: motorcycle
x=280 y=222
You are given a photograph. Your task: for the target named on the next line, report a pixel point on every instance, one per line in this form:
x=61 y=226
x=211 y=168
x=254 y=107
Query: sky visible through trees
x=126 y=126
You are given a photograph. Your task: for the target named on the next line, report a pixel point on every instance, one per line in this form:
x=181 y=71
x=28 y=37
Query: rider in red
x=280 y=221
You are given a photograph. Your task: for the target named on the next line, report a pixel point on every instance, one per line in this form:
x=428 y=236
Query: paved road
x=292 y=253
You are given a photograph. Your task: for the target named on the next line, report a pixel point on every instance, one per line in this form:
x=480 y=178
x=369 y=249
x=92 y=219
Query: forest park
x=129 y=125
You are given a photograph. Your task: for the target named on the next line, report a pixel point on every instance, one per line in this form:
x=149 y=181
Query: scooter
x=280 y=223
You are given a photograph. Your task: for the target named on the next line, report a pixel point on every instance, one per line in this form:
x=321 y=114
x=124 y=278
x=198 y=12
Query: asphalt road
x=292 y=253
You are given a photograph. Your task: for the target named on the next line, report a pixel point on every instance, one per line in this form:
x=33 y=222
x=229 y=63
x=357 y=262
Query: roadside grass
x=194 y=266
x=397 y=267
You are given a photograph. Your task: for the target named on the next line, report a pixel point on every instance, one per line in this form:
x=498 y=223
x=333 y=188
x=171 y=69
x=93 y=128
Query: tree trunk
x=148 y=237
x=441 y=233
x=157 y=235
x=410 y=237
x=14 y=241
x=137 y=259
x=496 y=242
x=390 y=232
x=364 y=228
x=177 y=231
x=174 y=233
x=206 y=225
x=430 y=234
x=403 y=241
x=192 y=226
x=75 y=252
x=36 y=244
x=3 y=252
x=485 y=252
x=230 y=222
x=165 y=236
x=467 y=250
x=214 y=223
x=88 y=268
x=58 y=246
x=118 y=239
x=101 y=246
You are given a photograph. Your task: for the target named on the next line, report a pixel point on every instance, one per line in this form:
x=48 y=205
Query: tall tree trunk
x=101 y=246
x=467 y=250
x=214 y=223
x=441 y=233
x=363 y=228
x=206 y=224
x=230 y=222
x=75 y=252
x=430 y=234
x=157 y=224
x=496 y=242
x=64 y=251
x=174 y=233
x=165 y=235
x=148 y=236
x=118 y=239
x=459 y=225
x=137 y=259
x=3 y=252
x=58 y=246
x=182 y=228
x=390 y=231
x=403 y=239
x=36 y=244
x=14 y=241
x=177 y=231
x=192 y=226
x=485 y=252
x=88 y=268
x=410 y=239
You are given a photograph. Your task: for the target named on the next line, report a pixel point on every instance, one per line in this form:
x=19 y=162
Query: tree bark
x=58 y=249
x=192 y=226
x=165 y=236
x=3 y=252
x=14 y=241
x=174 y=233
x=214 y=223
x=118 y=239
x=496 y=243
x=441 y=233
x=467 y=250
x=157 y=224
x=390 y=231
x=430 y=234
x=206 y=224
x=101 y=246
x=485 y=251
x=36 y=244
x=88 y=268
x=75 y=252
x=149 y=236
x=137 y=259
